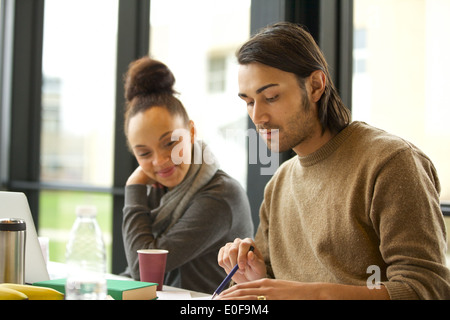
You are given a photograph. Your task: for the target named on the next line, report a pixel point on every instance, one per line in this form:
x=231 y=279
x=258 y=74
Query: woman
x=189 y=208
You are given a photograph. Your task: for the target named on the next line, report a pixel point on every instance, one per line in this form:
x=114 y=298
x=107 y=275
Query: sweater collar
x=327 y=149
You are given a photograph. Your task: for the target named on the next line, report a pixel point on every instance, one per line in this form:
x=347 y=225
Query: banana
x=11 y=294
x=34 y=292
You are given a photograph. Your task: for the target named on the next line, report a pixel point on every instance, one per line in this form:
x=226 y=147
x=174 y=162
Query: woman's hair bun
x=146 y=76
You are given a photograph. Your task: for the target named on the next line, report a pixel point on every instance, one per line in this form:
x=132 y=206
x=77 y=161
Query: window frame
x=22 y=138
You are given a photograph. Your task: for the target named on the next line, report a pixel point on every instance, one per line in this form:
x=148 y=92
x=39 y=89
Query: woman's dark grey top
x=218 y=213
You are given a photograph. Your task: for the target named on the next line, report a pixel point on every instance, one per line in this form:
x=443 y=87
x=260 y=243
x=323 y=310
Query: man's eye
x=272 y=99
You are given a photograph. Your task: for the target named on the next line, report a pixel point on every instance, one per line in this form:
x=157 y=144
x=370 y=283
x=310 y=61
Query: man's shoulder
x=377 y=141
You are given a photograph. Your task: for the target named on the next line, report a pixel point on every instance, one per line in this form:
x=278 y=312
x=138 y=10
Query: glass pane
x=199 y=48
x=401 y=51
x=78 y=108
x=58 y=215
x=78 y=91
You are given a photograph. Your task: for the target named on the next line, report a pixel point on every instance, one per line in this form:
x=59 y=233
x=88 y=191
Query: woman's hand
x=251 y=263
x=139 y=177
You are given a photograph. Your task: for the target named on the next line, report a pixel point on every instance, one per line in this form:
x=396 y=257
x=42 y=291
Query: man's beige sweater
x=365 y=200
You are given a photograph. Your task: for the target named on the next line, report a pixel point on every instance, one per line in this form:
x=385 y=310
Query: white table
x=57 y=270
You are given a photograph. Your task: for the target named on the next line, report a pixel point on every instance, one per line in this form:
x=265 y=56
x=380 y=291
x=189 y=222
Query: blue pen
x=228 y=278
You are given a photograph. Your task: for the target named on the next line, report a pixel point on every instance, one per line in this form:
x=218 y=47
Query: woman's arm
x=205 y=222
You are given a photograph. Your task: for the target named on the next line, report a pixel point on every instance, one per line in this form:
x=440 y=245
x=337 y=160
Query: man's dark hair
x=290 y=48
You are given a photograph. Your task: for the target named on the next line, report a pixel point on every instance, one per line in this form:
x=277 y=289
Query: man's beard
x=297 y=130
x=270 y=136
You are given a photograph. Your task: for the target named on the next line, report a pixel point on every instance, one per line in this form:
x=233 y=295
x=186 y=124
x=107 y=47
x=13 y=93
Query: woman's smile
x=166 y=172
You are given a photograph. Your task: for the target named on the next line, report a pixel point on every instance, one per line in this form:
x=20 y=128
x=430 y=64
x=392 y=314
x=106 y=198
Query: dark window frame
x=24 y=137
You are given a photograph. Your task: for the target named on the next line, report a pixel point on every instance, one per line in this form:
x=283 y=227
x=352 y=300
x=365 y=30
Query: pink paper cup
x=152 y=265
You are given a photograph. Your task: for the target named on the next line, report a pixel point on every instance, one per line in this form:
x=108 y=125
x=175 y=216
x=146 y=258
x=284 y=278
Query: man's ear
x=317 y=81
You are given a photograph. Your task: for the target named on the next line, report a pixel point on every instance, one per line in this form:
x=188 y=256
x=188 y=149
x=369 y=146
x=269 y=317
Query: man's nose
x=259 y=114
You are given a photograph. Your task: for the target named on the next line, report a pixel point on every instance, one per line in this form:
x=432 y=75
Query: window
x=360 y=52
x=78 y=103
x=54 y=154
x=401 y=51
x=216 y=74
x=200 y=51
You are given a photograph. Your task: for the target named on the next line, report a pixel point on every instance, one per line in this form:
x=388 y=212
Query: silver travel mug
x=12 y=250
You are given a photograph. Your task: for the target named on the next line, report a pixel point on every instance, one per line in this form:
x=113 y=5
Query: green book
x=117 y=289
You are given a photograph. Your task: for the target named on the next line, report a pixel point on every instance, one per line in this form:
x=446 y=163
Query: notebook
x=15 y=205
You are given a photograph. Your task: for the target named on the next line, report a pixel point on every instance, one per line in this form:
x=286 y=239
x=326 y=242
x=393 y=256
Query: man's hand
x=272 y=289
x=251 y=263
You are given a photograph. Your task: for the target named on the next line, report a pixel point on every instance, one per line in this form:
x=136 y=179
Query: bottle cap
x=86 y=211
x=12 y=224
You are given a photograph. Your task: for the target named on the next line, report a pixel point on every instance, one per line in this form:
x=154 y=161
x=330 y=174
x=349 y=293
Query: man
x=355 y=214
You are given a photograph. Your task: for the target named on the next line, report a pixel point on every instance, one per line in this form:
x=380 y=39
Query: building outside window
x=78 y=103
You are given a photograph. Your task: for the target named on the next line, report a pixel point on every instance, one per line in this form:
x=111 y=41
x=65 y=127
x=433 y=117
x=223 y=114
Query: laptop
x=15 y=205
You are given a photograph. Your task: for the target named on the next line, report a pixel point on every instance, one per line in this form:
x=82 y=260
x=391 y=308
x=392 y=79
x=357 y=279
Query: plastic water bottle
x=86 y=258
